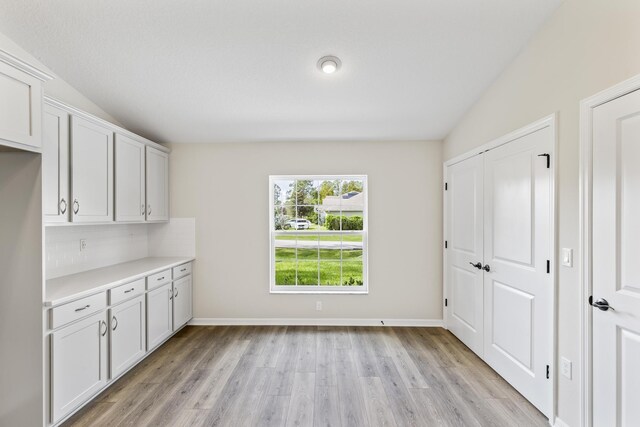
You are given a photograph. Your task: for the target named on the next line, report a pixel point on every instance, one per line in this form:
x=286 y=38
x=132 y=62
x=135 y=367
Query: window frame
x=273 y=233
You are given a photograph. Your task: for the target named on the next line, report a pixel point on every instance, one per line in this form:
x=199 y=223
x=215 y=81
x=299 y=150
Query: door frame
x=550 y=121
x=586 y=190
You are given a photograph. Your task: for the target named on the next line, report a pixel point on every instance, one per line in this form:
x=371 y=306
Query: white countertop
x=69 y=288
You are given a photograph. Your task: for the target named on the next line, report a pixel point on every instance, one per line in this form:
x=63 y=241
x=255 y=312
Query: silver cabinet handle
x=149 y=209
x=116 y=323
x=129 y=290
x=63 y=206
x=170 y=295
x=76 y=206
x=183 y=270
x=83 y=308
x=176 y=293
x=160 y=278
x=142 y=210
x=103 y=323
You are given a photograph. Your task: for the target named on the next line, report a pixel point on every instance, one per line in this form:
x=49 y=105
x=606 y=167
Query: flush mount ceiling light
x=329 y=64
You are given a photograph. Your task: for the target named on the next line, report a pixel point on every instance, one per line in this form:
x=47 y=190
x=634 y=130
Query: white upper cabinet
x=129 y=179
x=20 y=104
x=157 y=185
x=91 y=171
x=55 y=165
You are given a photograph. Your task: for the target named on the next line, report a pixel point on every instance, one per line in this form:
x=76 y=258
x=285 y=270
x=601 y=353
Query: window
x=318 y=233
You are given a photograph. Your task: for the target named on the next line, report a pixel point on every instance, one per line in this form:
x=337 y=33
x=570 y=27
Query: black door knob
x=476 y=265
x=487 y=268
x=601 y=304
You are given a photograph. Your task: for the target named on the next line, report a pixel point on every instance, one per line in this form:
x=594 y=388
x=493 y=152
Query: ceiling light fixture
x=329 y=64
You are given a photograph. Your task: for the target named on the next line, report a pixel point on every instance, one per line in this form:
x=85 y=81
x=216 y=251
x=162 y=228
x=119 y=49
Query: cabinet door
x=159 y=315
x=129 y=179
x=91 y=171
x=20 y=108
x=128 y=335
x=182 y=312
x=55 y=165
x=78 y=364
x=157 y=185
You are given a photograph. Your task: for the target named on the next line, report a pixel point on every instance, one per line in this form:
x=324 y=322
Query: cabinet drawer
x=158 y=279
x=181 y=270
x=124 y=292
x=69 y=312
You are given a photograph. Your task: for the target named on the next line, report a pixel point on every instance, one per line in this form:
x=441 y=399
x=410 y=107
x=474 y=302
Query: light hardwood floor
x=310 y=376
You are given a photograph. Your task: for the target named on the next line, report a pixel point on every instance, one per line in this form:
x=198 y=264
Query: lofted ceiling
x=245 y=70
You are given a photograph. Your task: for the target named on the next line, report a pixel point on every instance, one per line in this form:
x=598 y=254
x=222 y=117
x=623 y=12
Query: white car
x=299 y=224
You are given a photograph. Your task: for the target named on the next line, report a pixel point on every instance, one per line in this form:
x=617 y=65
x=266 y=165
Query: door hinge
x=548 y=156
x=446 y=303
x=446 y=244
x=446 y=186
x=548 y=374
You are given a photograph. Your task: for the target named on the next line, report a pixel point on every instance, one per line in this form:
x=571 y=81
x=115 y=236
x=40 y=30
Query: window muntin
x=318 y=233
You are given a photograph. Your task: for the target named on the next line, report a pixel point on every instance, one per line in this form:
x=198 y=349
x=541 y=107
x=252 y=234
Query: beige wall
x=586 y=46
x=225 y=187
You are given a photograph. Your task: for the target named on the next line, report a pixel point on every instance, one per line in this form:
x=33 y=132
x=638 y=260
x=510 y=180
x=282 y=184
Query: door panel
x=517 y=245
x=91 y=171
x=78 y=364
x=615 y=255
x=159 y=315
x=129 y=179
x=55 y=165
x=182 y=301
x=128 y=335
x=465 y=222
x=157 y=185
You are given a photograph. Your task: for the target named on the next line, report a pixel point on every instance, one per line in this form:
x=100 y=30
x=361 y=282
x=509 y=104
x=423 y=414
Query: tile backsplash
x=113 y=244
x=105 y=245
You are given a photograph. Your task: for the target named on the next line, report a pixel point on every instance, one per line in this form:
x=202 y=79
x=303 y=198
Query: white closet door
x=518 y=288
x=91 y=171
x=616 y=253
x=464 y=250
x=130 y=179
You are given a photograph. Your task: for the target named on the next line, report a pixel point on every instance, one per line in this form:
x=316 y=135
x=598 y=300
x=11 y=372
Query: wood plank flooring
x=310 y=376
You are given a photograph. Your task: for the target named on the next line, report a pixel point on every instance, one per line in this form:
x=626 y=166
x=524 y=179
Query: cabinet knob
x=63 y=206
x=76 y=206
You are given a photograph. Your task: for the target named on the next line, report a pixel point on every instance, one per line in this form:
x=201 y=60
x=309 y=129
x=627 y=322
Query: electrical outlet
x=83 y=244
x=318 y=305
x=567 y=257
x=565 y=366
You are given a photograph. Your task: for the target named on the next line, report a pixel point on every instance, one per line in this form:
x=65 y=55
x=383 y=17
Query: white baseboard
x=560 y=423
x=434 y=323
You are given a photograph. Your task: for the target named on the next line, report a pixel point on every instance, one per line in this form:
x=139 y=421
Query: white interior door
x=518 y=283
x=464 y=250
x=615 y=255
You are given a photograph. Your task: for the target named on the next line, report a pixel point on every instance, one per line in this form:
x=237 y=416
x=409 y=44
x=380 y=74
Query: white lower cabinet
x=182 y=301
x=127 y=335
x=78 y=364
x=159 y=315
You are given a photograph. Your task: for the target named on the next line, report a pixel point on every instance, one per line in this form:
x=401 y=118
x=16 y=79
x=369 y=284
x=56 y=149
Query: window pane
x=307 y=272
x=352 y=205
x=306 y=219
x=330 y=272
x=305 y=192
x=352 y=270
x=285 y=264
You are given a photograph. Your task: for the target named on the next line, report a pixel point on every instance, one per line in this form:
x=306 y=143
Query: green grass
x=322 y=237
x=308 y=268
